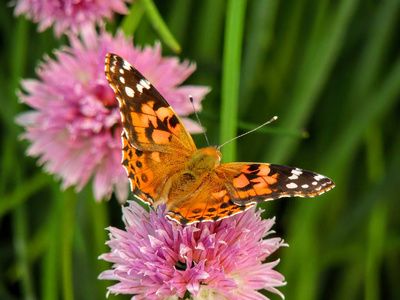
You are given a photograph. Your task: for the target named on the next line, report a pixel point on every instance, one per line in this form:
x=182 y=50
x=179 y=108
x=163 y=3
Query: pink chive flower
x=155 y=258
x=74 y=127
x=68 y=14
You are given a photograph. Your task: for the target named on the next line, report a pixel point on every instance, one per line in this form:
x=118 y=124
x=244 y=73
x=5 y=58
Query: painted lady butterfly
x=164 y=165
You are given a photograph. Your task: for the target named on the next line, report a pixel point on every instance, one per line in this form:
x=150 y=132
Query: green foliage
x=329 y=69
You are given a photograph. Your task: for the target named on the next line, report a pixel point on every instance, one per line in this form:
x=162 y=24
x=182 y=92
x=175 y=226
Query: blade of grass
x=11 y=167
x=373 y=56
x=321 y=52
x=385 y=191
x=132 y=20
x=375 y=251
x=20 y=225
x=179 y=19
x=278 y=70
x=99 y=221
x=256 y=48
x=379 y=102
x=231 y=74
x=377 y=222
x=207 y=41
x=351 y=281
x=19 y=195
x=51 y=263
x=68 y=225
x=160 y=26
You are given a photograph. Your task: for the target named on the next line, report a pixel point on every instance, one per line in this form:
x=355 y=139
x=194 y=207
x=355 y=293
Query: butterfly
x=164 y=165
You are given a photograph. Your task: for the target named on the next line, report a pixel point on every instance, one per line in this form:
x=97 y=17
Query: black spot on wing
x=224 y=205
x=196 y=211
x=173 y=121
x=183 y=221
x=138 y=153
x=253 y=167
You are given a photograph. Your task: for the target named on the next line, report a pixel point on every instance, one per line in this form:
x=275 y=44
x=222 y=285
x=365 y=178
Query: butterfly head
x=213 y=152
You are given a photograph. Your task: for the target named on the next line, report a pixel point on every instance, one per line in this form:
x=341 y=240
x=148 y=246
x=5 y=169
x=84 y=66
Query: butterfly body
x=165 y=167
x=203 y=162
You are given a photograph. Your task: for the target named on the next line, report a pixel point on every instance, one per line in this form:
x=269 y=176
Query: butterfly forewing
x=148 y=120
x=156 y=145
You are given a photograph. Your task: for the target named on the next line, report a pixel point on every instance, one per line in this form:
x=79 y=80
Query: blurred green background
x=329 y=69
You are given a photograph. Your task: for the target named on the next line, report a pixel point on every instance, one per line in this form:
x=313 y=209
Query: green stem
x=20 y=244
x=18 y=195
x=100 y=220
x=231 y=74
x=68 y=225
x=51 y=261
x=377 y=230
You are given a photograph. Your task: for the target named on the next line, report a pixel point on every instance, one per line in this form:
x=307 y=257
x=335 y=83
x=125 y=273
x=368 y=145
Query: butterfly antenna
x=246 y=133
x=198 y=119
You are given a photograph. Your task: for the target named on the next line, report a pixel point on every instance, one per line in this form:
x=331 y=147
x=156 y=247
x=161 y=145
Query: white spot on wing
x=129 y=91
x=121 y=71
x=139 y=88
x=314 y=183
x=319 y=177
x=305 y=186
x=297 y=172
x=122 y=79
x=145 y=83
x=126 y=65
x=293 y=177
x=291 y=185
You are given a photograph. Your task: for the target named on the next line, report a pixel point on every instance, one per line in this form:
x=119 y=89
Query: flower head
x=71 y=15
x=155 y=258
x=75 y=125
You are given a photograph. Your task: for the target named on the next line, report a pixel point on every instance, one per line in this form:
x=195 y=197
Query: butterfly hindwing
x=234 y=187
x=211 y=202
x=144 y=184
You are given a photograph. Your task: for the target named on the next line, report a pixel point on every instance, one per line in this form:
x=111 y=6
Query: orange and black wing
x=252 y=182
x=211 y=202
x=234 y=187
x=148 y=120
x=155 y=143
